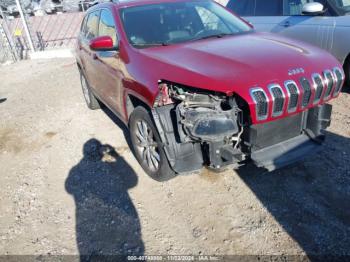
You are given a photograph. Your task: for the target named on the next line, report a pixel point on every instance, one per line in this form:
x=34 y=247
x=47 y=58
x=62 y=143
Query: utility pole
x=25 y=25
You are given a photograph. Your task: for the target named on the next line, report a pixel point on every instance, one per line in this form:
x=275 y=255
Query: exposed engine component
x=210 y=120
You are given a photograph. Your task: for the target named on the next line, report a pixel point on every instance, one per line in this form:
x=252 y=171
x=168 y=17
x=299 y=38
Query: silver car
x=325 y=23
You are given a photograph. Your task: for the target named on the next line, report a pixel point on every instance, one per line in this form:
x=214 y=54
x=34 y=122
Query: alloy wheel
x=147 y=146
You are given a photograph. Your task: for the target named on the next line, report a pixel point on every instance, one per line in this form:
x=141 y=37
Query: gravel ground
x=70 y=185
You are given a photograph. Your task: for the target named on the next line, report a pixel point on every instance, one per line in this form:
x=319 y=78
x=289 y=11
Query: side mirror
x=102 y=43
x=314 y=8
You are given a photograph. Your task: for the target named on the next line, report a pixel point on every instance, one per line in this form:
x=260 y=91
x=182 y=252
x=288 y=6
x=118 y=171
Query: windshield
x=178 y=22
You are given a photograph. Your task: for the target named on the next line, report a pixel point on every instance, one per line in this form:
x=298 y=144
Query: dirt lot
x=70 y=185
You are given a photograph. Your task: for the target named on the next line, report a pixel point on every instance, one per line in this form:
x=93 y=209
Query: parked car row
x=42 y=7
x=324 y=23
x=197 y=86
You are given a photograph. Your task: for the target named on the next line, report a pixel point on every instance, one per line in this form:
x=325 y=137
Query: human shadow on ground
x=310 y=199
x=107 y=222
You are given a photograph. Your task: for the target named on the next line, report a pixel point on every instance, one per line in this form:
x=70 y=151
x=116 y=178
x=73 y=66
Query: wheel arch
x=133 y=102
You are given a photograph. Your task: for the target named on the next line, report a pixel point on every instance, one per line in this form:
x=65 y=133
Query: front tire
x=90 y=98
x=147 y=146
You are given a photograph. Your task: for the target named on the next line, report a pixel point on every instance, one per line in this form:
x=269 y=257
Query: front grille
x=293 y=93
x=296 y=96
x=329 y=83
x=318 y=84
x=261 y=102
x=278 y=99
x=339 y=76
x=305 y=85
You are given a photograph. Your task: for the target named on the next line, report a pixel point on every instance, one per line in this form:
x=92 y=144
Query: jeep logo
x=296 y=71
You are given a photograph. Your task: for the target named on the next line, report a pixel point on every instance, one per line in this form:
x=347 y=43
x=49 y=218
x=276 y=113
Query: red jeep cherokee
x=198 y=87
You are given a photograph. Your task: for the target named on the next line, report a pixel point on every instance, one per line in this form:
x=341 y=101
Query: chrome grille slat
x=318 y=87
x=329 y=80
x=261 y=103
x=278 y=99
x=339 y=79
x=305 y=85
x=293 y=94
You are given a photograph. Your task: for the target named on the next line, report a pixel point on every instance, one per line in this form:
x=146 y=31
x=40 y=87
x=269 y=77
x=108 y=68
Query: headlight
x=208 y=124
x=214 y=127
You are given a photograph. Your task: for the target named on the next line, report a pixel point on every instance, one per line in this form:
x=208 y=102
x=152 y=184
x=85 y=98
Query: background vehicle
x=324 y=23
x=197 y=86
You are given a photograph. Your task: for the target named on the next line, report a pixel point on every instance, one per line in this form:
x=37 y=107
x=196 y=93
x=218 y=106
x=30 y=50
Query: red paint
x=231 y=65
x=101 y=43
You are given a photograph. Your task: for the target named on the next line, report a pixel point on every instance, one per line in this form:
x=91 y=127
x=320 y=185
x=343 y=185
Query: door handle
x=286 y=24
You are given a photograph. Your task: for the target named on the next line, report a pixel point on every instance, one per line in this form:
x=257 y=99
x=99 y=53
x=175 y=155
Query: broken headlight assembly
x=210 y=120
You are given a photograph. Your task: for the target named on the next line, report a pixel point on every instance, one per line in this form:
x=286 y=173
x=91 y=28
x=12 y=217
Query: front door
x=108 y=64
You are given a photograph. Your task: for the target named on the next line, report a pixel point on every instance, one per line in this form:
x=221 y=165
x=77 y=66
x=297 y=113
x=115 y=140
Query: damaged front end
x=198 y=127
x=202 y=128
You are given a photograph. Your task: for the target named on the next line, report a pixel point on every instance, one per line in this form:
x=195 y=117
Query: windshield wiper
x=151 y=44
x=212 y=36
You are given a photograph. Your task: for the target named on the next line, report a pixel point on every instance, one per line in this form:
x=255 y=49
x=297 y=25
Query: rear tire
x=90 y=98
x=147 y=146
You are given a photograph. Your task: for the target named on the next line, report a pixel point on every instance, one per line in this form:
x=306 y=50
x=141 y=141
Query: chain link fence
x=51 y=24
x=26 y=27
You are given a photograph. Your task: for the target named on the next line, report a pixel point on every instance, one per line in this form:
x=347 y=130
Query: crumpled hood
x=233 y=63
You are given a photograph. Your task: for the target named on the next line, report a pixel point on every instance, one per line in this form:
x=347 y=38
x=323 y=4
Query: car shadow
x=311 y=199
x=346 y=89
x=2 y=100
x=107 y=222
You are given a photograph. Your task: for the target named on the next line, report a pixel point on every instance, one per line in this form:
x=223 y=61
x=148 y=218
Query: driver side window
x=92 y=25
x=107 y=26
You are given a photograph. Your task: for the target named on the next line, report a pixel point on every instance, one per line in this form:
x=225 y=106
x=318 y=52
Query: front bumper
x=280 y=143
x=269 y=145
x=285 y=153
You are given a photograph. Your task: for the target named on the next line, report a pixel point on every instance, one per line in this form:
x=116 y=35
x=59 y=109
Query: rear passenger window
x=107 y=26
x=92 y=25
x=257 y=7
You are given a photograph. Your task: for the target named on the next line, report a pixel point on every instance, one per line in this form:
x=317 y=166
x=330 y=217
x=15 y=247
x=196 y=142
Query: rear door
x=263 y=15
